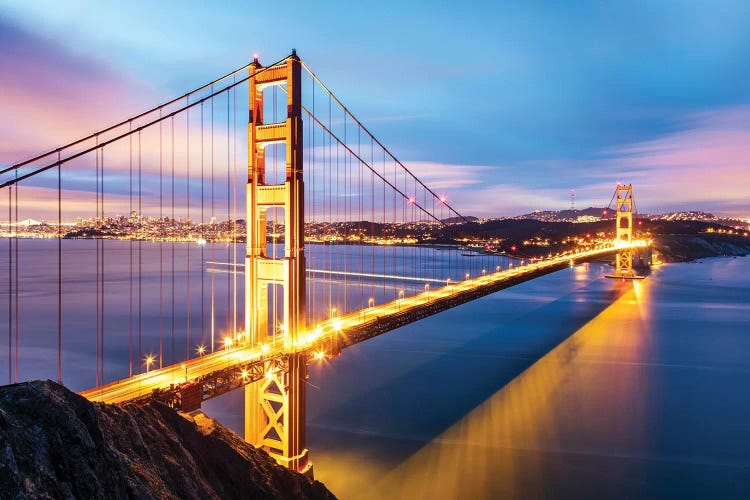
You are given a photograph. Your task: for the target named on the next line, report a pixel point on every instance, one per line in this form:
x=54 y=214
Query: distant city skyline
x=505 y=108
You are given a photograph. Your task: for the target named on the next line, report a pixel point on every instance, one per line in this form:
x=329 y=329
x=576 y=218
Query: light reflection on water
x=502 y=447
x=635 y=402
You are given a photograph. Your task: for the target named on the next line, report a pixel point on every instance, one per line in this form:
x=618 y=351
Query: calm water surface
x=569 y=386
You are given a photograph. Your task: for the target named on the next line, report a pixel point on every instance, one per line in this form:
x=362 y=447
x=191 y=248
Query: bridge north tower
x=624 y=236
x=275 y=406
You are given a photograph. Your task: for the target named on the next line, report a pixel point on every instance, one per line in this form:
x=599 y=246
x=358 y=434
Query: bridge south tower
x=275 y=406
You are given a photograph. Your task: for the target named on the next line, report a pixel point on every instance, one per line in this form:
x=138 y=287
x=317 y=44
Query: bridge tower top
x=624 y=199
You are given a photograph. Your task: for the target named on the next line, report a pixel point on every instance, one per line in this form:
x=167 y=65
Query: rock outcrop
x=57 y=444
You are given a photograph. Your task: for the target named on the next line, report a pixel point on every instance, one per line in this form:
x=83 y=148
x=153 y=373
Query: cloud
x=704 y=166
x=49 y=96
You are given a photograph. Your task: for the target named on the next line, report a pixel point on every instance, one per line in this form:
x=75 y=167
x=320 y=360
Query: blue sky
x=516 y=103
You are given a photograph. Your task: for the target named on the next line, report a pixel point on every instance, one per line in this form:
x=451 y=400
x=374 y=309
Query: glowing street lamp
x=228 y=342
x=484 y=272
x=467 y=275
x=370 y=303
x=427 y=290
x=149 y=361
x=201 y=350
x=400 y=298
x=498 y=268
x=184 y=367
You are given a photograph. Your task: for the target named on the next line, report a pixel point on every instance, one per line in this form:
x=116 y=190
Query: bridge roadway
x=185 y=385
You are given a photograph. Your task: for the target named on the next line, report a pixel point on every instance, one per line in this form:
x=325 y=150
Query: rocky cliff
x=56 y=444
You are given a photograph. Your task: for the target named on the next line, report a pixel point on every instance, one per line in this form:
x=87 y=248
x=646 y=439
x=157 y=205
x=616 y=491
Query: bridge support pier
x=275 y=414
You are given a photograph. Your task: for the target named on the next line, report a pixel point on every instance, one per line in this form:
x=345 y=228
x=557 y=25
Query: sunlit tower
x=275 y=406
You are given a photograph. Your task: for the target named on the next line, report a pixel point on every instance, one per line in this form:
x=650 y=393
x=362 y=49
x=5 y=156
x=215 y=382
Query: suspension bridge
x=225 y=242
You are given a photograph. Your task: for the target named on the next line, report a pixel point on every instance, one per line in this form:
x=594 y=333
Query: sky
x=504 y=106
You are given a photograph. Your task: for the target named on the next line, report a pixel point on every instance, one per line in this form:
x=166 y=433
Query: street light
x=467 y=275
x=427 y=290
x=149 y=362
x=228 y=342
x=370 y=303
x=498 y=268
x=201 y=350
x=400 y=298
x=484 y=272
x=184 y=367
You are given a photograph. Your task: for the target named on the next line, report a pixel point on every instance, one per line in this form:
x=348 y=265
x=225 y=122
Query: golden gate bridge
x=342 y=243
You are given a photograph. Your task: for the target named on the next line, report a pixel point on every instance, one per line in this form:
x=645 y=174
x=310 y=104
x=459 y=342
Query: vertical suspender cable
x=130 y=215
x=59 y=270
x=17 y=285
x=101 y=288
x=230 y=224
x=188 y=223
x=161 y=244
x=213 y=232
x=96 y=251
x=234 y=208
x=203 y=239
x=10 y=285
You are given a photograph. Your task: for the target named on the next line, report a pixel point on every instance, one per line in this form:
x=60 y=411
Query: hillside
x=57 y=444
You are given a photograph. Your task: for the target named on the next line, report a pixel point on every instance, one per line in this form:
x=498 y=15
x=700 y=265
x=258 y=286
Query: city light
x=201 y=350
x=319 y=355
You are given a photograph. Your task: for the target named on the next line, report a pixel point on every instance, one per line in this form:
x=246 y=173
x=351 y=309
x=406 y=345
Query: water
x=170 y=298
x=569 y=386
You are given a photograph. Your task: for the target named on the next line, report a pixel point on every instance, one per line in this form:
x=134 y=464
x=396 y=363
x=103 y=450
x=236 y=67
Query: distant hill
x=589 y=213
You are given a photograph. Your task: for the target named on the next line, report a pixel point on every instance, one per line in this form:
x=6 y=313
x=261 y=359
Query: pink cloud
x=49 y=96
x=706 y=166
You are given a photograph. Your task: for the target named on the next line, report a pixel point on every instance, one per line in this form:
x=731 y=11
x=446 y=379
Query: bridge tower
x=275 y=406
x=624 y=200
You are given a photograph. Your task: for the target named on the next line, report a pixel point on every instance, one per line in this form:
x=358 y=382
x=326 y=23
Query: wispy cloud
x=49 y=96
x=704 y=166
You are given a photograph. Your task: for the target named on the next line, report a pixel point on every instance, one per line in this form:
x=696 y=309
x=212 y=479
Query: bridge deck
x=213 y=374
